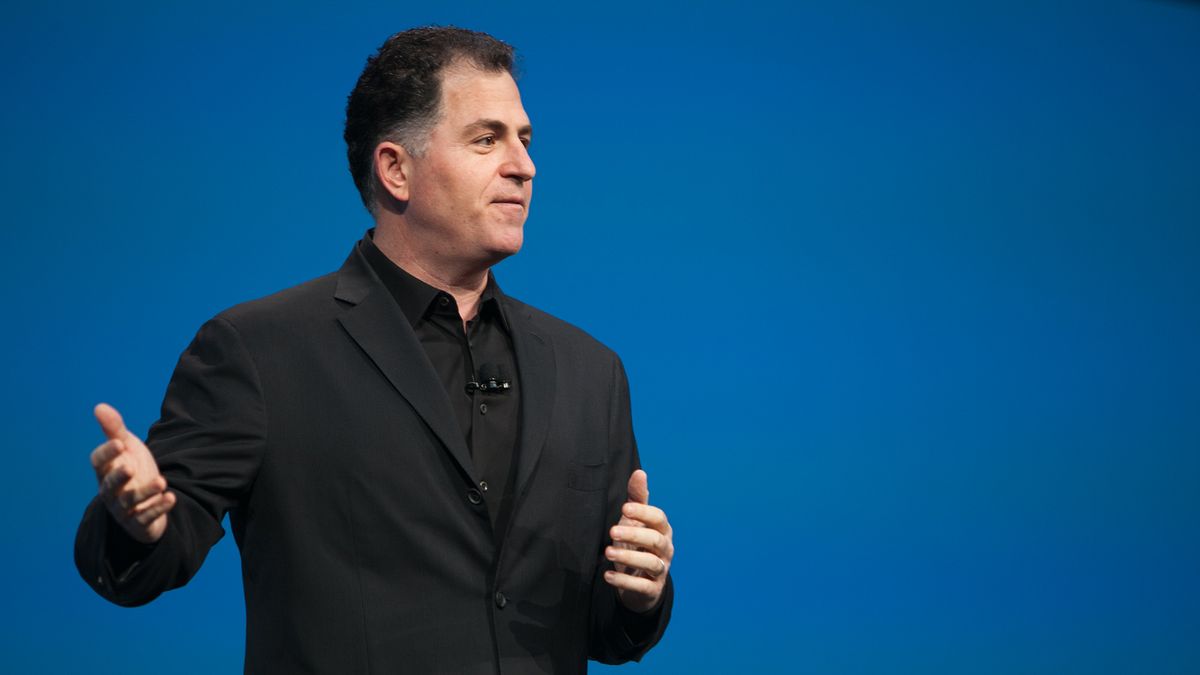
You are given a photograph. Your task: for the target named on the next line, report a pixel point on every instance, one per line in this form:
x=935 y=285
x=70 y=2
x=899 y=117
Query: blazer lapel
x=380 y=328
x=535 y=365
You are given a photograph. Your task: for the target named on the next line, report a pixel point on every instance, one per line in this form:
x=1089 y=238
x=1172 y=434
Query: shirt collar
x=415 y=297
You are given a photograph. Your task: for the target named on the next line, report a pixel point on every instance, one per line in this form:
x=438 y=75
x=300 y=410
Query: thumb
x=110 y=421
x=639 y=488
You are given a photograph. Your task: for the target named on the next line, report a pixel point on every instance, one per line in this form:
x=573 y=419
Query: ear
x=393 y=166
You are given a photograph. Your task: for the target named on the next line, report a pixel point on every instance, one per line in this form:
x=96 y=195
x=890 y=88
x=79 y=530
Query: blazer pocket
x=587 y=477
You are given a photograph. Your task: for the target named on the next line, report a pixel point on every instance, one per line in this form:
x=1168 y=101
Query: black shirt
x=477 y=368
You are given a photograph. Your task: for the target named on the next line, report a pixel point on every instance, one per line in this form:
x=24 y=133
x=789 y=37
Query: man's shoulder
x=309 y=301
x=565 y=335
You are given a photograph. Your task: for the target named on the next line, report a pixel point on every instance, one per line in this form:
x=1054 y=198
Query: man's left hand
x=642 y=549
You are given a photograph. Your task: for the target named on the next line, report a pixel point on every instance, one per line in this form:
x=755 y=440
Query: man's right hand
x=130 y=484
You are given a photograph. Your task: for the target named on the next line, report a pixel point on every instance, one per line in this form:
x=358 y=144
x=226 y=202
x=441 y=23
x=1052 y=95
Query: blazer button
x=474 y=497
x=501 y=600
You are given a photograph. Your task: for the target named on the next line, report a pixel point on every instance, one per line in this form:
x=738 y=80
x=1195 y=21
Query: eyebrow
x=498 y=127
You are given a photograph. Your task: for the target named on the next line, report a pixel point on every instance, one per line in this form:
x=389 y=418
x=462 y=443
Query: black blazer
x=314 y=418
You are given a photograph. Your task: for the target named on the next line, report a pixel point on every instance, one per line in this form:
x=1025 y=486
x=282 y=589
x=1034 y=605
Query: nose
x=518 y=165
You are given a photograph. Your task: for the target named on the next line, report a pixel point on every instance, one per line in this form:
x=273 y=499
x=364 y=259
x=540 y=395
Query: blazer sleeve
x=618 y=634
x=208 y=442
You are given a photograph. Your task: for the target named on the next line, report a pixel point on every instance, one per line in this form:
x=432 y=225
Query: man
x=422 y=473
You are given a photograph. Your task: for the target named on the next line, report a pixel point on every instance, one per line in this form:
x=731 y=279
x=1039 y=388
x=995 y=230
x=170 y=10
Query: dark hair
x=398 y=96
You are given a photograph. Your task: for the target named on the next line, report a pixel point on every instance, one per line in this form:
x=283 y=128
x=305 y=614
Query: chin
x=508 y=242
x=502 y=251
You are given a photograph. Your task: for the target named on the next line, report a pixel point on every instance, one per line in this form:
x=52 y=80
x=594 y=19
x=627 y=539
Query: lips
x=509 y=200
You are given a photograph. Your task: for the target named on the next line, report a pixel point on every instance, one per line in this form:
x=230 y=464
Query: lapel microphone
x=492 y=380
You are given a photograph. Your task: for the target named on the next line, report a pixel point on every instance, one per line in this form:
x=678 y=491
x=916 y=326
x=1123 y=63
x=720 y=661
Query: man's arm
x=160 y=504
x=632 y=593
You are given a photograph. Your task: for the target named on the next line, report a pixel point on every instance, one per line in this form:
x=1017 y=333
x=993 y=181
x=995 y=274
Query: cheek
x=452 y=186
x=435 y=194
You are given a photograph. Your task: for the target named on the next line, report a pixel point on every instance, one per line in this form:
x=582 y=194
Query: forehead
x=469 y=94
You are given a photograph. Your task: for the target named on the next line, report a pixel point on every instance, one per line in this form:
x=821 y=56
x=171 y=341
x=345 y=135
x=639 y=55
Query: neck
x=464 y=282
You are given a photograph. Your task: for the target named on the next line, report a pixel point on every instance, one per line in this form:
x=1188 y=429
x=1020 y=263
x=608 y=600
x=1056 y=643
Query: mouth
x=511 y=201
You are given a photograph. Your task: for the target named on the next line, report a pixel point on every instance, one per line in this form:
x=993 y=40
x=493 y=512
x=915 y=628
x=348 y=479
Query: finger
x=625 y=521
x=105 y=453
x=647 y=563
x=146 y=504
x=150 y=510
x=628 y=582
x=638 y=487
x=642 y=537
x=131 y=496
x=110 y=420
x=650 y=516
x=114 y=479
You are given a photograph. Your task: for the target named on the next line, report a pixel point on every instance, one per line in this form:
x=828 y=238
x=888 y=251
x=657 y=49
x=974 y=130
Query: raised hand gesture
x=642 y=549
x=130 y=484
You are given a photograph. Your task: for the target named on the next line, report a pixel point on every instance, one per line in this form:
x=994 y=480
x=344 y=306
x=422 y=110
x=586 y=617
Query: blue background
x=909 y=296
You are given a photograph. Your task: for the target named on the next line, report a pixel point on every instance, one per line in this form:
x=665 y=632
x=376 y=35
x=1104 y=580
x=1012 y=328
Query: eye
x=487 y=141
x=525 y=141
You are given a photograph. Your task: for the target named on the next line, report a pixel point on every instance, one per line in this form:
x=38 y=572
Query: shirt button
x=483 y=485
x=443 y=301
x=474 y=497
x=482 y=408
x=501 y=600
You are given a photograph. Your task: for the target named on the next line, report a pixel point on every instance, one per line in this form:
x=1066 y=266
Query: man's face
x=469 y=192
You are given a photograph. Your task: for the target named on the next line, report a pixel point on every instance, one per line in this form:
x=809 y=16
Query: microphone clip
x=491 y=385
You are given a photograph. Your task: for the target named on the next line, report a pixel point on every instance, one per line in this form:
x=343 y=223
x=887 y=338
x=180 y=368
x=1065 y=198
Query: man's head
x=398 y=96
x=437 y=140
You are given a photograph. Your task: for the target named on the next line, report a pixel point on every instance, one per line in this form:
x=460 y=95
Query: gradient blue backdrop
x=909 y=295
